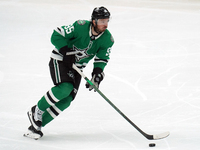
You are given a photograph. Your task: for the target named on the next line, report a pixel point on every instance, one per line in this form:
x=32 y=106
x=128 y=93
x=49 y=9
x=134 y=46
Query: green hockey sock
x=54 y=95
x=52 y=112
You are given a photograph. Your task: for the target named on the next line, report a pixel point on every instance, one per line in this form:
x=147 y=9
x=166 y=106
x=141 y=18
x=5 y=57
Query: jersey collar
x=94 y=37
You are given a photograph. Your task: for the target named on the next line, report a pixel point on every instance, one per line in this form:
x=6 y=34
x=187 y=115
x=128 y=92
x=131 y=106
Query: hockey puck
x=152 y=145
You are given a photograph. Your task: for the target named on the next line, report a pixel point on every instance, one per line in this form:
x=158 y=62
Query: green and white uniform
x=78 y=37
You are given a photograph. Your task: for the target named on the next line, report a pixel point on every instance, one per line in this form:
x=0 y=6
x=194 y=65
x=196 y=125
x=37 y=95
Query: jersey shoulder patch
x=81 y=22
x=109 y=35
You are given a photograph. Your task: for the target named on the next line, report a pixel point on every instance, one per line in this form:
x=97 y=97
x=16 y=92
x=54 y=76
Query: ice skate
x=33 y=133
x=35 y=118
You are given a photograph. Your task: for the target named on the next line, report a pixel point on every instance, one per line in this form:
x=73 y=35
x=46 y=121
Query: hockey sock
x=52 y=112
x=54 y=95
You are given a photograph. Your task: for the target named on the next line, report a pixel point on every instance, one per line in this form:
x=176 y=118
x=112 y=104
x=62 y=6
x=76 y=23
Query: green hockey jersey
x=78 y=36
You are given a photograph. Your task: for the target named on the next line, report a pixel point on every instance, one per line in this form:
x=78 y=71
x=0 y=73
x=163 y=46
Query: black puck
x=152 y=145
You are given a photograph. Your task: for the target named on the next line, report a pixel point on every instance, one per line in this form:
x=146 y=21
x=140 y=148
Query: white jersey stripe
x=60 y=31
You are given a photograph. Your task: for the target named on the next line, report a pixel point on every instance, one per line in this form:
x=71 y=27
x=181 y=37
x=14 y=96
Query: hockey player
x=77 y=44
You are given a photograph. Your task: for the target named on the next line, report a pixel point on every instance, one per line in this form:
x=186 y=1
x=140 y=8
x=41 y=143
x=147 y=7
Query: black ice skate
x=33 y=133
x=36 y=124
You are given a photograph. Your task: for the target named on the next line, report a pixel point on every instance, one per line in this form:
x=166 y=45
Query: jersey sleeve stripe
x=96 y=60
x=60 y=31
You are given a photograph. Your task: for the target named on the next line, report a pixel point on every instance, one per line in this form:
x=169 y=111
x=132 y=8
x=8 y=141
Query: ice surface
x=153 y=75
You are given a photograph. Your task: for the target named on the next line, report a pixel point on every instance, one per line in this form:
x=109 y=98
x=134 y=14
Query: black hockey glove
x=67 y=59
x=97 y=77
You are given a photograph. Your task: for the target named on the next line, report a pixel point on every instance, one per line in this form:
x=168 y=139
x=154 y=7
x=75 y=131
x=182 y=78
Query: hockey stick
x=149 y=137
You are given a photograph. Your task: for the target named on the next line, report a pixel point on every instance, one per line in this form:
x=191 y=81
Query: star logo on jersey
x=82 y=53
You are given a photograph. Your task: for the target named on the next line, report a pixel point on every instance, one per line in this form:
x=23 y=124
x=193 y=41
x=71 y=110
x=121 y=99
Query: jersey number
x=108 y=51
x=69 y=29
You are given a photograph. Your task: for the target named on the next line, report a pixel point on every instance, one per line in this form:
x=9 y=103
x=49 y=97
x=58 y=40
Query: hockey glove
x=67 y=59
x=97 y=77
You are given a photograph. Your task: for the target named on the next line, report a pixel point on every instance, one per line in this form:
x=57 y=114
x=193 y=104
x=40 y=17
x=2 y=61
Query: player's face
x=102 y=24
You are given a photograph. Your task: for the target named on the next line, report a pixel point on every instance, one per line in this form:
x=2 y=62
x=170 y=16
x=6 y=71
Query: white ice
x=153 y=75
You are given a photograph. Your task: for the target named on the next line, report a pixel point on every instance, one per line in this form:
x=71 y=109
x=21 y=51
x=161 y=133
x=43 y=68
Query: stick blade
x=161 y=135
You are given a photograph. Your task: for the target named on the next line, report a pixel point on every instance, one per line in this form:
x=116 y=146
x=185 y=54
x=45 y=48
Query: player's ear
x=93 y=22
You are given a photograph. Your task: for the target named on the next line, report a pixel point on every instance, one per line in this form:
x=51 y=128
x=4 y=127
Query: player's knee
x=66 y=88
x=64 y=103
